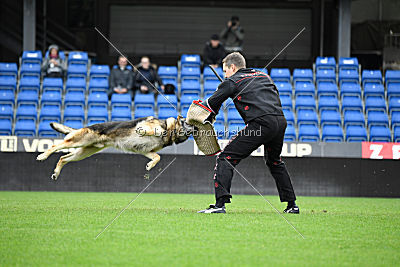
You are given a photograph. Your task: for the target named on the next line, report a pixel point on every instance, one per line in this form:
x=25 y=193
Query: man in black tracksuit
x=257 y=99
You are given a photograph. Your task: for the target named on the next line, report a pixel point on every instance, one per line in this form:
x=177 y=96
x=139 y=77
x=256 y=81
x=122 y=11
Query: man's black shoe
x=293 y=209
x=213 y=209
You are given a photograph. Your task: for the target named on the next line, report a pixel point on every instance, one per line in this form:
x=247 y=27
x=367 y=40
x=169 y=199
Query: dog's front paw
x=41 y=157
x=150 y=165
x=54 y=176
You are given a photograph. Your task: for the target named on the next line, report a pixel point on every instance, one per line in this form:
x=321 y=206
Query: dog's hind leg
x=155 y=158
x=78 y=154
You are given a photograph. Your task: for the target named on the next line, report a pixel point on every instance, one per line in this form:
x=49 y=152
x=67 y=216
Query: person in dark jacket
x=232 y=35
x=257 y=100
x=214 y=52
x=148 y=77
x=53 y=65
x=121 y=79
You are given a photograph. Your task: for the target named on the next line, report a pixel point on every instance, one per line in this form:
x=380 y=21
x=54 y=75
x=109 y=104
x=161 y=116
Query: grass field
x=51 y=228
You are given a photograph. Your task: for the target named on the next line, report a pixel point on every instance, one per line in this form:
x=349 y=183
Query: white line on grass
x=116 y=49
x=267 y=201
x=119 y=214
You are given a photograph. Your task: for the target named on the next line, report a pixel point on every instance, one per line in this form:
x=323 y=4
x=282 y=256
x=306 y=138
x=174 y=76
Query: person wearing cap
x=232 y=35
x=214 y=52
x=53 y=65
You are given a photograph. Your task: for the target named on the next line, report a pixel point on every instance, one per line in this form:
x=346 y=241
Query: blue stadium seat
x=190 y=60
x=32 y=57
x=98 y=97
x=396 y=134
x=325 y=63
x=330 y=117
x=353 y=117
x=283 y=87
x=74 y=111
x=348 y=63
x=25 y=127
x=305 y=101
x=99 y=71
x=191 y=94
x=374 y=89
x=393 y=89
x=141 y=112
x=121 y=99
x=45 y=130
x=380 y=134
x=92 y=121
x=168 y=72
x=352 y=102
x=50 y=111
x=395 y=118
x=208 y=74
x=76 y=83
x=51 y=96
x=28 y=96
x=328 y=102
x=327 y=75
x=52 y=83
x=27 y=111
x=29 y=83
x=261 y=69
x=75 y=124
x=356 y=133
x=98 y=84
x=30 y=69
x=392 y=76
x=190 y=85
x=167 y=101
x=220 y=117
x=348 y=75
x=307 y=116
x=7 y=96
x=282 y=74
x=303 y=75
x=289 y=116
x=350 y=88
x=167 y=112
x=121 y=113
x=170 y=81
x=72 y=96
x=234 y=116
x=375 y=103
x=77 y=70
x=234 y=128
x=308 y=133
x=374 y=76
x=304 y=87
x=207 y=94
x=190 y=72
x=219 y=130
x=394 y=104
x=184 y=111
x=290 y=134
x=8 y=69
x=211 y=85
x=5 y=126
x=375 y=117
x=143 y=100
x=186 y=100
x=6 y=111
x=286 y=101
x=332 y=133
x=76 y=57
x=8 y=82
x=97 y=112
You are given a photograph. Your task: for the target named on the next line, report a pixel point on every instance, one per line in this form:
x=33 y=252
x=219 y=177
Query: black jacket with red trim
x=253 y=93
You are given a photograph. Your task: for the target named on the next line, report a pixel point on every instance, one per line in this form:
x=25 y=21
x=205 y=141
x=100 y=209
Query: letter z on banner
x=380 y=150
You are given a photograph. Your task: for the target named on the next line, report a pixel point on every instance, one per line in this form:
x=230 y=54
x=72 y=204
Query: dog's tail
x=61 y=128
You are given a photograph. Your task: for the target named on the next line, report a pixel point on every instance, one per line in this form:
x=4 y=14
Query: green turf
x=49 y=228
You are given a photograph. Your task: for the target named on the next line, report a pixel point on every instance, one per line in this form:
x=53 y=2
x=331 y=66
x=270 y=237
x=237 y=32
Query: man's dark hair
x=236 y=59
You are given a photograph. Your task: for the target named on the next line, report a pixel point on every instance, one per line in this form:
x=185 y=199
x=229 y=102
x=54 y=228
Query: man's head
x=214 y=40
x=122 y=62
x=145 y=62
x=235 y=21
x=232 y=63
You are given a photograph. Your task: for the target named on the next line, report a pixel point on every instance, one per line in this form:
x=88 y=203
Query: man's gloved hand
x=211 y=118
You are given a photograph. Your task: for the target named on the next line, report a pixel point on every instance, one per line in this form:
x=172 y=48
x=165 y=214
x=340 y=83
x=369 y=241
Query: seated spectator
x=232 y=36
x=121 y=79
x=148 y=77
x=53 y=65
x=214 y=52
